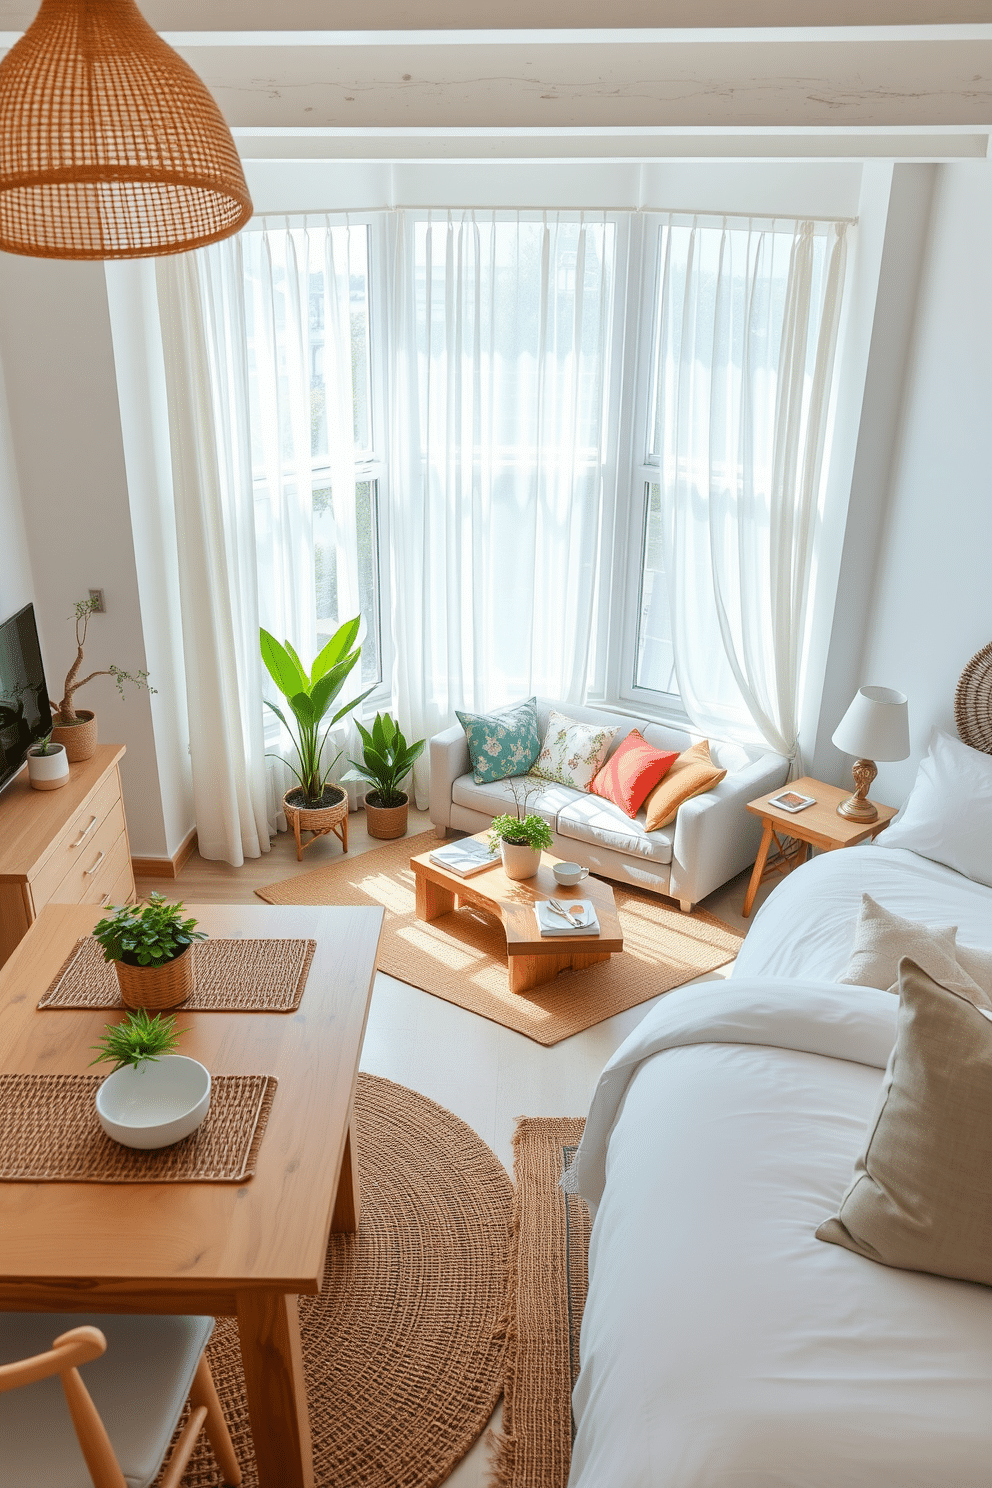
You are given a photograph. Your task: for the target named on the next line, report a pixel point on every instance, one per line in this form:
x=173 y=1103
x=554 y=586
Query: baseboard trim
x=166 y=867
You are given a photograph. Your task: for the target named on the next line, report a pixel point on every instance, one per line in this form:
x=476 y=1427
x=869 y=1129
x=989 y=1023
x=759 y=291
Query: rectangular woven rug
x=546 y=1292
x=461 y=956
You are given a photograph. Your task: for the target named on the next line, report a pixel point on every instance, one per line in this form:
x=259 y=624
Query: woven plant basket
x=386 y=822
x=157 y=987
x=79 y=738
x=316 y=818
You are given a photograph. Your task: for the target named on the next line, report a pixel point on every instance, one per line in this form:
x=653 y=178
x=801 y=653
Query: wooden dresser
x=65 y=846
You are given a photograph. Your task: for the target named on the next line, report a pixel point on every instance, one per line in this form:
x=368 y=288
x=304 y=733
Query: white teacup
x=570 y=873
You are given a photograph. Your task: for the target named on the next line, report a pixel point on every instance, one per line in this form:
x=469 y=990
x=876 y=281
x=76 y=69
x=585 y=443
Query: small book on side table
x=550 y=923
x=464 y=857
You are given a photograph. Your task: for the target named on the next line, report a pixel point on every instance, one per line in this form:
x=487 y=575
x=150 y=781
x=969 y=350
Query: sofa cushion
x=496 y=796
x=573 y=750
x=591 y=819
x=502 y=743
x=692 y=774
x=631 y=773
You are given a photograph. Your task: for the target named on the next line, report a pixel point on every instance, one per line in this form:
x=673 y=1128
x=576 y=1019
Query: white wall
x=932 y=602
x=16 y=582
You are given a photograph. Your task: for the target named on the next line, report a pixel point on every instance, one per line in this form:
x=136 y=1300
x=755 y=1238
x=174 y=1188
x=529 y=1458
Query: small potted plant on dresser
x=521 y=838
x=48 y=765
x=386 y=761
x=314 y=805
x=74 y=728
x=150 y=950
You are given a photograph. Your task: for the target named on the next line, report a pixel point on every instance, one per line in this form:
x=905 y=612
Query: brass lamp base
x=857 y=807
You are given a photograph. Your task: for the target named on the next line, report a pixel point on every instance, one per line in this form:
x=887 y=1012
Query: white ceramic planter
x=155 y=1104
x=519 y=862
x=48 y=771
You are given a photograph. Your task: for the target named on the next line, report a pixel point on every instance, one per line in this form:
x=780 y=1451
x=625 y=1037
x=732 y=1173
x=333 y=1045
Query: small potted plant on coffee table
x=520 y=838
x=386 y=761
x=314 y=805
x=150 y=949
x=77 y=728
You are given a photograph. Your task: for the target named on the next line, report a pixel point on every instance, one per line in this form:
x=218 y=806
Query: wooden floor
x=483 y=1072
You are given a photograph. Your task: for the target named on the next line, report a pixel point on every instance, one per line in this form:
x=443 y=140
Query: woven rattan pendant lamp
x=110 y=145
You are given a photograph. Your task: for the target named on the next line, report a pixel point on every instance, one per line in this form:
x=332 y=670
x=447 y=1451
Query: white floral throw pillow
x=572 y=753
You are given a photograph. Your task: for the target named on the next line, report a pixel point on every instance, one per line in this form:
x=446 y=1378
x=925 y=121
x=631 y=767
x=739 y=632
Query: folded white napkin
x=550 y=923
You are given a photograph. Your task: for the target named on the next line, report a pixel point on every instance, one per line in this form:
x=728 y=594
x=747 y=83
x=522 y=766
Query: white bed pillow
x=882 y=939
x=948 y=816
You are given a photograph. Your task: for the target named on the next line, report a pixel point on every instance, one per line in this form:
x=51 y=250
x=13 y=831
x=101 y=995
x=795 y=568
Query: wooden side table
x=818 y=826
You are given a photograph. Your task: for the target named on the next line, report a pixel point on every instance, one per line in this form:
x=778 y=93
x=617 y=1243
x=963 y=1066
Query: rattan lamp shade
x=110 y=145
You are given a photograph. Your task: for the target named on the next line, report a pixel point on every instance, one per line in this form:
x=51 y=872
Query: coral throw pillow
x=692 y=773
x=631 y=772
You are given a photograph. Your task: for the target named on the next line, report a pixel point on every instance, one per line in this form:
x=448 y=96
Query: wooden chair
x=119 y=1436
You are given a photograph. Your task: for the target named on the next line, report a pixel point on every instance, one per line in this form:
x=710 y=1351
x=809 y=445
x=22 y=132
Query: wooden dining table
x=223 y=1249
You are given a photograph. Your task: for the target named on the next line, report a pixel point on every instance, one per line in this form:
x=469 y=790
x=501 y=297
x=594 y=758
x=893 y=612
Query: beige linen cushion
x=921 y=1196
x=692 y=774
x=882 y=939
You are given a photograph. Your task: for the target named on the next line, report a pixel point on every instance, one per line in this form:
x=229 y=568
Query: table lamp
x=875 y=727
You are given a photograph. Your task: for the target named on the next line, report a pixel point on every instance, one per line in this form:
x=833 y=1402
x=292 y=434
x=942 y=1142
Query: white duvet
x=723 y=1345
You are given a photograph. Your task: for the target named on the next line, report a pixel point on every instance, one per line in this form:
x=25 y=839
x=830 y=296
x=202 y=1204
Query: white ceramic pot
x=519 y=862
x=48 y=771
x=156 y=1103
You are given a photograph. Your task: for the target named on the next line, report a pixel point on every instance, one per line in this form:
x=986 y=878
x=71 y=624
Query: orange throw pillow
x=692 y=774
x=631 y=773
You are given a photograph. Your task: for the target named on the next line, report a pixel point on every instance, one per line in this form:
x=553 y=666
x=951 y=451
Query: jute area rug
x=546 y=1292
x=461 y=957
x=403 y=1347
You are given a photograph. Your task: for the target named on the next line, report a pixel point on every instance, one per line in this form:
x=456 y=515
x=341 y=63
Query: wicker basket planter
x=332 y=816
x=157 y=987
x=386 y=822
x=79 y=738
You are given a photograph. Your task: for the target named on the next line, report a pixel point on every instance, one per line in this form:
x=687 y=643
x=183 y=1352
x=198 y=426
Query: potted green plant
x=48 y=765
x=386 y=761
x=74 y=728
x=150 y=949
x=313 y=805
x=521 y=838
x=152 y=1096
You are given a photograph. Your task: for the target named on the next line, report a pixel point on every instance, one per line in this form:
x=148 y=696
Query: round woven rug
x=403 y=1347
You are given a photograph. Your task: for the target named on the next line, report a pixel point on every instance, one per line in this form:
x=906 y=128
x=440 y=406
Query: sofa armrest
x=715 y=836
x=450 y=759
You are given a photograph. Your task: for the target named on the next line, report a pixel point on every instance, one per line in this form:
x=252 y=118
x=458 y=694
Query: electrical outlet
x=100 y=608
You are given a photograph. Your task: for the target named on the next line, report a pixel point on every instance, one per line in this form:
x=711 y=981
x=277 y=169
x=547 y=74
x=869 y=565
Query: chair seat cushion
x=591 y=819
x=495 y=798
x=139 y=1387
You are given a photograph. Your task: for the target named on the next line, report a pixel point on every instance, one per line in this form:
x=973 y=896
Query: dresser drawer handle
x=85 y=832
x=88 y=871
x=104 y=899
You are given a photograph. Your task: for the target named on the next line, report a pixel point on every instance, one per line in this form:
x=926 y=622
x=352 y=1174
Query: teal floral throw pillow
x=573 y=752
x=503 y=743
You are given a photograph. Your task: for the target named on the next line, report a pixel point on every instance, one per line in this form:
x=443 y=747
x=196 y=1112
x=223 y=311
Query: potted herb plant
x=520 y=838
x=48 y=765
x=386 y=761
x=150 y=949
x=152 y=1096
x=313 y=805
x=76 y=728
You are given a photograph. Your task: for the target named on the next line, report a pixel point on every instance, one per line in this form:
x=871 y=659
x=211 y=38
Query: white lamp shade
x=875 y=726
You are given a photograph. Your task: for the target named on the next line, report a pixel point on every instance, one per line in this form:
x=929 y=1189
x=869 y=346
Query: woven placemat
x=462 y=956
x=403 y=1346
x=546 y=1293
x=49 y=1133
x=229 y=976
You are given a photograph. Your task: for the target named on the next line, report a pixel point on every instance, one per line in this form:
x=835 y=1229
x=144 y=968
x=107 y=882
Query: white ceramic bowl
x=159 y=1103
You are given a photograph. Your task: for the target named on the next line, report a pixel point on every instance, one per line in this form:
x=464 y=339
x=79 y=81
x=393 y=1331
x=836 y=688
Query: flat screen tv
x=25 y=714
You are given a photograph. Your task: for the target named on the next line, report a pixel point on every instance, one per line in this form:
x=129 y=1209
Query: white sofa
x=712 y=838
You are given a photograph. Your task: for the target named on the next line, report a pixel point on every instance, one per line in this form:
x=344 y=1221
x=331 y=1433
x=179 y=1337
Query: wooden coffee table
x=531 y=959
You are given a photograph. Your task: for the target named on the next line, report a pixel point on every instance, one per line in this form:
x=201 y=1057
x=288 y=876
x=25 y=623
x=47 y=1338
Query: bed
x=722 y=1344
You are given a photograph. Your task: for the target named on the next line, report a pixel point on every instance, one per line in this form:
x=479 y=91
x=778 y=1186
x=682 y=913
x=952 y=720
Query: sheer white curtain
x=501 y=327
x=747 y=334
x=201 y=309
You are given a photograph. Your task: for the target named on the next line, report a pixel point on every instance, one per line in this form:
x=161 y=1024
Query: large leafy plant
x=310 y=695
x=146 y=936
x=386 y=761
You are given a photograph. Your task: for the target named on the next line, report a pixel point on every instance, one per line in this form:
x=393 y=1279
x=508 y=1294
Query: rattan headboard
x=973 y=701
